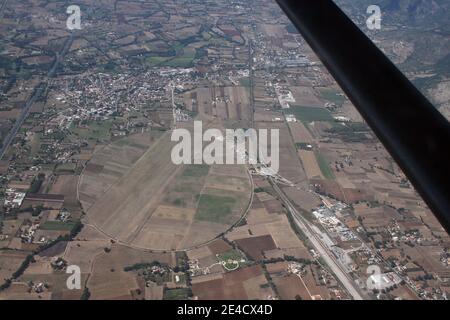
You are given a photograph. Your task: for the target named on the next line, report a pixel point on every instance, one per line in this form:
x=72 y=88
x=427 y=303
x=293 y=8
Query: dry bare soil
x=133 y=193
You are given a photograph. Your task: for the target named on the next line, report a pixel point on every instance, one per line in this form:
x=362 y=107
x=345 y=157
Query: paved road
x=251 y=78
x=320 y=247
x=38 y=90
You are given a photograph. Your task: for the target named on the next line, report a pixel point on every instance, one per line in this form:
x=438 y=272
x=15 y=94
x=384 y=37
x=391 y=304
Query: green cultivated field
x=324 y=166
x=94 y=130
x=57 y=225
x=154 y=61
x=186 y=189
x=214 y=208
x=181 y=62
x=232 y=255
x=310 y=114
x=332 y=96
x=177 y=294
x=245 y=82
x=199 y=170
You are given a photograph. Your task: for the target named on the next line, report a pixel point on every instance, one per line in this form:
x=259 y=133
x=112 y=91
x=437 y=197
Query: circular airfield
x=133 y=193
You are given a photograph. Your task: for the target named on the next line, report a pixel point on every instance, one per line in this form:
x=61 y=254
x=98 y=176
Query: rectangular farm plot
x=215 y=208
x=223 y=197
x=227 y=183
x=238 y=109
x=290 y=165
x=10 y=261
x=166 y=212
x=299 y=133
x=177 y=294
x=67 y=186
x=310 y=164
x=225 y=103
x=255 y=247
x=228 y=170
x=315 y=165
x=291 y=287
x=95 y=131
x=185 y=189
x=305 y=96
x=57 y=225
x=324 y=166
x=196 y=171
x=245 y=283
x=332 y=95
x=310 y=114
x=204 y=101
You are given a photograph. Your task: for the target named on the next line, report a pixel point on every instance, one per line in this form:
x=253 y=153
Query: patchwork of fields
x=144 y=200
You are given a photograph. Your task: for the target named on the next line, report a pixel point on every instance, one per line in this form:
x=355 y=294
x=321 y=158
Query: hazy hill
x=415 y=34
x=413 y=13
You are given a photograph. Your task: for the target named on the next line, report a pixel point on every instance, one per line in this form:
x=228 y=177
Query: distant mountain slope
x=415 y=34
x=416 y=13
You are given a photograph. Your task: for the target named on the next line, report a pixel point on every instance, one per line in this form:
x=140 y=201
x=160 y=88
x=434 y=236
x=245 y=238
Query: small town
x=86 y=176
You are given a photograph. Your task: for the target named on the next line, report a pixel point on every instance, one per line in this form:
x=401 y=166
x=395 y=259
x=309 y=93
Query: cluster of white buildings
x=291 y=118
x=175 y=71
x=234 y=76
x=383 y=281
x=285 y=97
x=296 y=268
x=327 y=216
x=28 y=232
x=13 y=198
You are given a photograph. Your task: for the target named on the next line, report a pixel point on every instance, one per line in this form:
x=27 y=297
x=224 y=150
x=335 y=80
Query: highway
x=320 y=247
x=38 y=90
x=251 y=78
